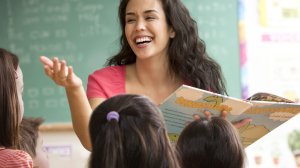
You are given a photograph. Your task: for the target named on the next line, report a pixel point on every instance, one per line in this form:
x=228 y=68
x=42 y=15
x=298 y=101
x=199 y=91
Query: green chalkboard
x=86 y=33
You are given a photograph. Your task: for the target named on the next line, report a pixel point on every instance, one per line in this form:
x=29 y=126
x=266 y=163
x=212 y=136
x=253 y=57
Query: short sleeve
x=94 y=89
x=106 y=82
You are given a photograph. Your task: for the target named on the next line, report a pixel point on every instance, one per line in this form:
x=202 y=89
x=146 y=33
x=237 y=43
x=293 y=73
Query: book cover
x=266 y=116
x=180 y=107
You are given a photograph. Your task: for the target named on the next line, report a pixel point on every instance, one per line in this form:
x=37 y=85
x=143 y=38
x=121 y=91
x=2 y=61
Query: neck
x=152 y=79
x=154 y=73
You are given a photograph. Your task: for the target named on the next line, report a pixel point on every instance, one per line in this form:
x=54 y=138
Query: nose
x=140 y=25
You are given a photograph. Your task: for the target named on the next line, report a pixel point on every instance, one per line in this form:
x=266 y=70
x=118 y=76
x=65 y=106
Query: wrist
x=74 y=89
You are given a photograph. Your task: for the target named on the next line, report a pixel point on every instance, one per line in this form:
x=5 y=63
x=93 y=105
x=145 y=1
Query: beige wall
x=64 y=149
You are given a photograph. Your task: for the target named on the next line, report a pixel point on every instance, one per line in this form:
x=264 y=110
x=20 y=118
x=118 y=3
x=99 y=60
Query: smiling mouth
x=143 y=40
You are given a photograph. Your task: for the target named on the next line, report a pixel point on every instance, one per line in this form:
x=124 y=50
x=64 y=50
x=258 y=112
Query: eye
x=130 y=20
x=150 y=18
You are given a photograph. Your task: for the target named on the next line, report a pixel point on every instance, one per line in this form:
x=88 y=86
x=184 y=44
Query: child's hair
x=128 y=131
x=29 y=133
x=9 y=103
x=212 y=143
x=188 y=58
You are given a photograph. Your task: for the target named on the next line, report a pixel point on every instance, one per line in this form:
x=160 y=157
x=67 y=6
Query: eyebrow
x=146 y=11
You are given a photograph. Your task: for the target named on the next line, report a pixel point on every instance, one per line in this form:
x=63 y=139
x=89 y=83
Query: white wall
x=64 y=149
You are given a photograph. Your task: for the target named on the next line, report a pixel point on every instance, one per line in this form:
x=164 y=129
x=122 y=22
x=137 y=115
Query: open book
x=267 y=111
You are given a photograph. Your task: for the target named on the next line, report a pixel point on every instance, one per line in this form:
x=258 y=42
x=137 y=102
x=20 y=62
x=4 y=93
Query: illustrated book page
x=180 y=107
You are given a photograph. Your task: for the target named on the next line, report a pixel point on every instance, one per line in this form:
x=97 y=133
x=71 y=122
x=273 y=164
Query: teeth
x=142 y=39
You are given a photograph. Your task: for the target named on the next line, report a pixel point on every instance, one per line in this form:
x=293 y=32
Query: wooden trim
x=56 y=127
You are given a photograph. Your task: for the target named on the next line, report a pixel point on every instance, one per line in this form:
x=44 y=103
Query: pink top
x=106 y=82
x=11 y=158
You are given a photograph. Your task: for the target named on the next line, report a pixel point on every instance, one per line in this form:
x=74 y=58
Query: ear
x=172 y=33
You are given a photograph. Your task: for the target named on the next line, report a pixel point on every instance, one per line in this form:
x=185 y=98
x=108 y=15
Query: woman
x=160 y=51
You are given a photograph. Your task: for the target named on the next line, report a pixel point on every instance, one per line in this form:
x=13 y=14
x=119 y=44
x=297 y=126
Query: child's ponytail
x=109 y=148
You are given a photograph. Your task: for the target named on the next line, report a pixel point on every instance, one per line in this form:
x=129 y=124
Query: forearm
x=80 y=112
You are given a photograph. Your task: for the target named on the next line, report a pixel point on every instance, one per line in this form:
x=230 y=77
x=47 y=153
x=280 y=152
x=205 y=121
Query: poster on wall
x=269 y=32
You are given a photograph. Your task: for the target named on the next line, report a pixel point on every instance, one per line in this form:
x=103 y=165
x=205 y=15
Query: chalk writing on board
x=33 y=104
x=33 y=92
x=48 y=91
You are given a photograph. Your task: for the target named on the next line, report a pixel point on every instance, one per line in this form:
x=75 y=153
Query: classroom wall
x=64 y=149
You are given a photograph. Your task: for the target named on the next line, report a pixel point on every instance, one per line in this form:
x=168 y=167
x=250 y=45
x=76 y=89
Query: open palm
x=60 y=73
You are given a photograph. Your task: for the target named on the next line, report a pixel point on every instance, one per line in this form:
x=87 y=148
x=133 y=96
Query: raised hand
x=60 y=73
x=79 y=105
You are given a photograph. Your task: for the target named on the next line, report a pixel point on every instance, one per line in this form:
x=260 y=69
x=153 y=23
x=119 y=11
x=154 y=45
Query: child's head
x=212 y=143
x=129 y=131
x=31 y=141
x=11 y=102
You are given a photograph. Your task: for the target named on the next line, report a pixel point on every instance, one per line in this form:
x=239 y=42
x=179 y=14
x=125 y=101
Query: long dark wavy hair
x=188 y=58
x=138 y=140
x=212 y=143
x=9 y=103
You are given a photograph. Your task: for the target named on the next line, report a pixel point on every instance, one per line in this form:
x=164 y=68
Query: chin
x=143 y=56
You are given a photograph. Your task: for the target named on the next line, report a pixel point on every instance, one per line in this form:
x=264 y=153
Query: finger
x=55 y=65
x=46 y=61
x=224 y=114
x=196 y=117
x=48 y=71
x=62 y=72
x=207 y=114
x=70 y=71
x=242 y=122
